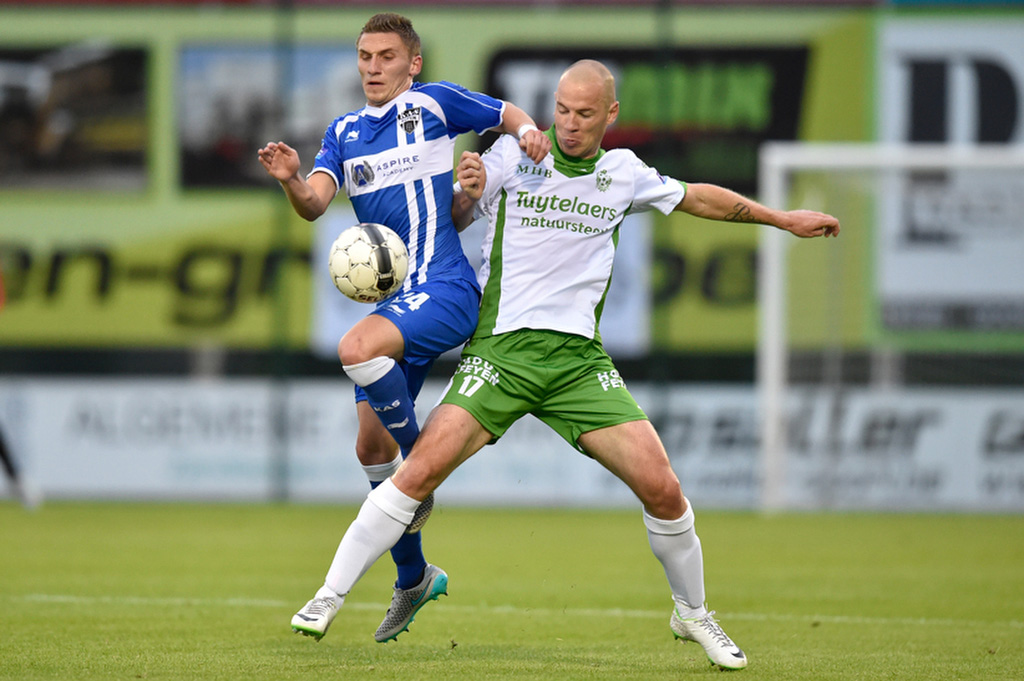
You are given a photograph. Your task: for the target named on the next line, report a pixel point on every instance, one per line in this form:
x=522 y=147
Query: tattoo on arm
x=740 y=213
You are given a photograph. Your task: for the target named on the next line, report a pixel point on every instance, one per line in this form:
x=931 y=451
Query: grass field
x=161 y=591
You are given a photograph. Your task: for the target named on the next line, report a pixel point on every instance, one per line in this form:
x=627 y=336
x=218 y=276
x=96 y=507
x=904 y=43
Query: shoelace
x=319 y=606
x=710 y=625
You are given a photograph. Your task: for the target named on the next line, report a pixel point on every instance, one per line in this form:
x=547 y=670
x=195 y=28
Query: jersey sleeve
x=466 y=110
x=328 y=160
x=654 y=191
x=495 y=159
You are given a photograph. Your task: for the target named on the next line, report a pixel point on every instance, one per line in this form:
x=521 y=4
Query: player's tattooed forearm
x=740 y=213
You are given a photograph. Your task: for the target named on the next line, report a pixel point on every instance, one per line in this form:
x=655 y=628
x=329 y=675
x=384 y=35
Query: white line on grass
x=511 y=610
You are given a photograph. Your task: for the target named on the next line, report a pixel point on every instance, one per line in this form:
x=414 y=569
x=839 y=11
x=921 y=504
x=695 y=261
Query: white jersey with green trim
x=552 y=230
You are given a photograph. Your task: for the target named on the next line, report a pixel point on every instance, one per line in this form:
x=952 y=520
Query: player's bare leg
x=368 y=353
x=633 y=452
x=450 y=436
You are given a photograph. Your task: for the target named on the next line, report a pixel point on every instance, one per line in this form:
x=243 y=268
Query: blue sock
x=408 y=557
x=389 y=396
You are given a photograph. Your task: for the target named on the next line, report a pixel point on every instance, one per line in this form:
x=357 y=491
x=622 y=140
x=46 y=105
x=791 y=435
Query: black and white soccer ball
x=368 y=262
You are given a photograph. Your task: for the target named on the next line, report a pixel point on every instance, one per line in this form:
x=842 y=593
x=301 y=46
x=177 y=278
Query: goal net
x=891 y=360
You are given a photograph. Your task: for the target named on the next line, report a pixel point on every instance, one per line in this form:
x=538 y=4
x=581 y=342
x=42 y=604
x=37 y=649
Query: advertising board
x=951 y=244
x=903 y=450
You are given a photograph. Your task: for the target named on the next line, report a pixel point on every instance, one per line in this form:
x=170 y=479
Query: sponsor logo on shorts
x=475 y=373
x=610 y=379
x=480 y=368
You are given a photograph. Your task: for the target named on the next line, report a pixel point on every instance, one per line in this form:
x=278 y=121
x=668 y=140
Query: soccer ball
x=368 y=262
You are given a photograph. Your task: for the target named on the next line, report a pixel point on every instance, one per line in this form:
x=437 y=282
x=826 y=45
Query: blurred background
x=169 y=326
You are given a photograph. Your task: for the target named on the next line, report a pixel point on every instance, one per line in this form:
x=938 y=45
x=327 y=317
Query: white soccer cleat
x=315 y=617
x=707 y=632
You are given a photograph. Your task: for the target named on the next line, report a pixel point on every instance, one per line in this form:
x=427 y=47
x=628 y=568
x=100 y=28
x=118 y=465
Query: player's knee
x=353 y=350
x=368 y=340
x=417 y=479
x=375 y=456
x=373 y=451
x=665 y=499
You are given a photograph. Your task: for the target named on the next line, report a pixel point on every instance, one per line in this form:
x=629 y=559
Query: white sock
x=677 y=546
x=380 y=472
x=381 y=522
x=370 y=371
x=327 y=592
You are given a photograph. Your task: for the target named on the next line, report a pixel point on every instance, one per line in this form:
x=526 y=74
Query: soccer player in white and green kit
x=552 y=231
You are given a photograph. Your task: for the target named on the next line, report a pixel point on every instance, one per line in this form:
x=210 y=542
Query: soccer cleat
x=419 y=518
x=405 y=603
x=314 y=619
x=706 y=631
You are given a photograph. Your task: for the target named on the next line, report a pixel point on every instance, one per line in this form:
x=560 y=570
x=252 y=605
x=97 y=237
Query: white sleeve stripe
x=325 y=171
x=465 y=95
x=462 y=93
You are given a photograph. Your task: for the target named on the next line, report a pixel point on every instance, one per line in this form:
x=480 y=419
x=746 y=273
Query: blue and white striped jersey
x=395 y=163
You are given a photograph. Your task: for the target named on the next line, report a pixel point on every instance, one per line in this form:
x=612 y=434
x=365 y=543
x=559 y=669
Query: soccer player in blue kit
x=394 y=159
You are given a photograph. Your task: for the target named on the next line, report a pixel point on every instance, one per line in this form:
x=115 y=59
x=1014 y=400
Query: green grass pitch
x=206 y=591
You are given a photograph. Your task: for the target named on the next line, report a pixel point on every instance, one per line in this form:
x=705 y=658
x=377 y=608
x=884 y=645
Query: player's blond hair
x=389 y=22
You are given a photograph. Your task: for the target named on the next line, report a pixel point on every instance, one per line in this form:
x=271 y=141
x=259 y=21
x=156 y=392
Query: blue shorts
x=433 y=318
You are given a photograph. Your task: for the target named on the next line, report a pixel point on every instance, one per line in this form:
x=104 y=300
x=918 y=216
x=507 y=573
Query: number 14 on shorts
x=411 y=301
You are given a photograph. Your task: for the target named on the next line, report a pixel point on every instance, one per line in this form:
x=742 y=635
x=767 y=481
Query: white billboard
x=951 y=243
x=907 y=449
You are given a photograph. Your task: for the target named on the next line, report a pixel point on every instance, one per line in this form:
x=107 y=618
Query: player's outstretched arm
x=309 y=199
x=532 y=141
x=718 y=203
x=471 y=177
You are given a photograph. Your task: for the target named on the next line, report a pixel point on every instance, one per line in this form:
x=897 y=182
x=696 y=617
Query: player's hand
x=281 y=161
x=535 y=144
x=810 y=223
x=471 y=175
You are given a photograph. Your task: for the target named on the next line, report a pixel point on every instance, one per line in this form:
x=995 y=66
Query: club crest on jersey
x=604 y=180
x=409 y=119
x=362 y=174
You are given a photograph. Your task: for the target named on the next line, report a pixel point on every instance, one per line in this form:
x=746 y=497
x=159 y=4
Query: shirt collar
x=571 y=166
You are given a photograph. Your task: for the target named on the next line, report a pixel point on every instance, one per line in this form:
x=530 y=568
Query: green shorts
x=569 y=382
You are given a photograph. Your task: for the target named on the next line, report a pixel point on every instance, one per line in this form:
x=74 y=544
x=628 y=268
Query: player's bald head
x=592 y=75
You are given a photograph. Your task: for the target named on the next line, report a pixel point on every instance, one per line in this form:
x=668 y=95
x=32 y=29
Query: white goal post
x=779 y=162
